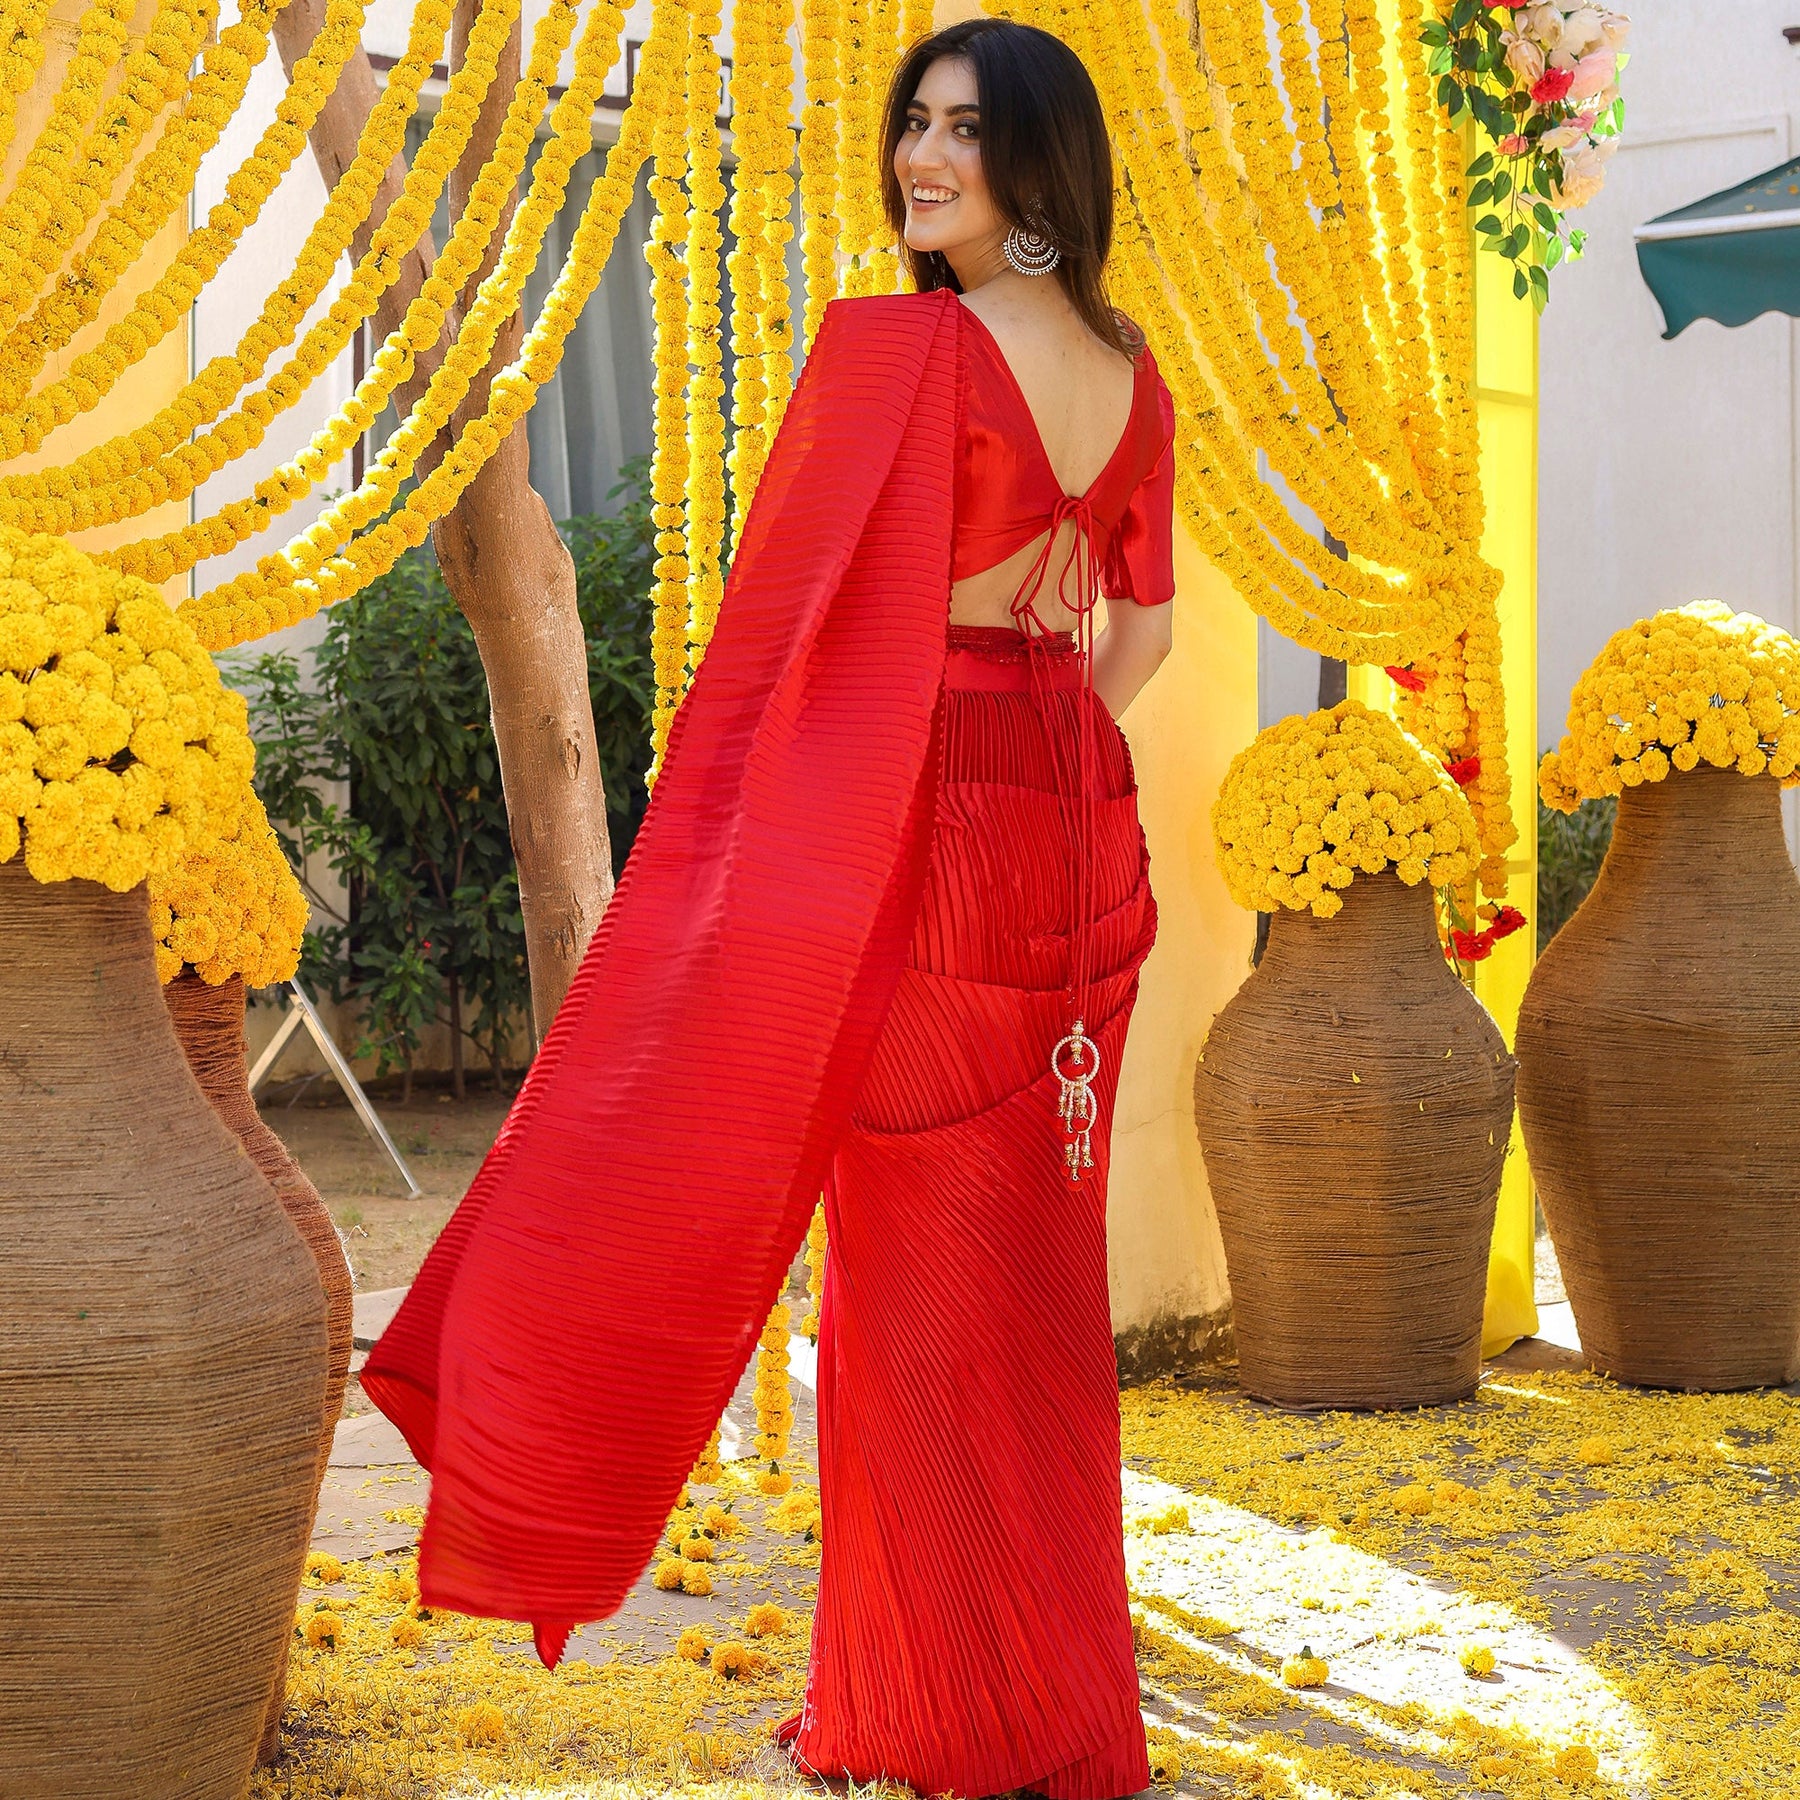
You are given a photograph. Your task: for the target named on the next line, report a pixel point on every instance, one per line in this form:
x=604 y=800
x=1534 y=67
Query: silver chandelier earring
x=1029 y=252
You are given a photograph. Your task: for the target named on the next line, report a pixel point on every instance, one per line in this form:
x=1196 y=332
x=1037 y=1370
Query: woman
x=881 y=930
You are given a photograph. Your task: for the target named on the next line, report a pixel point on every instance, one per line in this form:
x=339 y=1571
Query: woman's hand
x=1130 y=650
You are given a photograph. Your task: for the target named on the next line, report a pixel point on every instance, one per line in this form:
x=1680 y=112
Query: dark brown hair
x=1044 y=153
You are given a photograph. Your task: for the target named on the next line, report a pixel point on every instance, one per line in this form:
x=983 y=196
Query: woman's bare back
x=1080 y=392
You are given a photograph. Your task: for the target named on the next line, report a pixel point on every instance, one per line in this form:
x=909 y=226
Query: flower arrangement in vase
x=167 y=1412
x=1353 y=1099
x=1659 y=1039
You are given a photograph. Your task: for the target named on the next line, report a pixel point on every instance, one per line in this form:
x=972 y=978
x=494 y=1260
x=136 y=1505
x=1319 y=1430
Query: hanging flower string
x=1541 y=81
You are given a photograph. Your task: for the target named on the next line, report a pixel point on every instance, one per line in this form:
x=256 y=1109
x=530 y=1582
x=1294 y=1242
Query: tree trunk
x=456 y=1039
x=504 y=561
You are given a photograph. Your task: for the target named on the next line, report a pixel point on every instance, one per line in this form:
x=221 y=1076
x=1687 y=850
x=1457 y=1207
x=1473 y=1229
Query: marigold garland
x=1344 y=354
x=1292 y=212
x=65 y=199
x=1380 y=275
x=822 y=46
x=666 y=254
x=815 y=1273
x=159 y=558
x=1319 y=798
x=774 y=1401
x=761 y=188
x=157 y=462
x=1695 y=684
x=705 y=385
x=708 y=1469
x=161 y=182
x=48 y=180
x=328 y=562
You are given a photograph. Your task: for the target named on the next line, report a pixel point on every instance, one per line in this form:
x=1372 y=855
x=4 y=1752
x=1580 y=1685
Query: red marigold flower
x=1406 y=678
x=1463 y=770
x=1471 y=946
x=1508 y=920
x=1551 y=86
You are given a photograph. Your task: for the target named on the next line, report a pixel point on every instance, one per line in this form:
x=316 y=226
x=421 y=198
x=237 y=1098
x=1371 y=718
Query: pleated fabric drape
x=972 y=1632
x=576 y=1331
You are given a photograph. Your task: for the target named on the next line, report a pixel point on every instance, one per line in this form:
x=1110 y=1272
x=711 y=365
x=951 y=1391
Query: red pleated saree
x=740 y=1036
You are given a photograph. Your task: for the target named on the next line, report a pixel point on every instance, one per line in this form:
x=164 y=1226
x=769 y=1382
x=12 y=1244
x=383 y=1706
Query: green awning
x=1731 y=257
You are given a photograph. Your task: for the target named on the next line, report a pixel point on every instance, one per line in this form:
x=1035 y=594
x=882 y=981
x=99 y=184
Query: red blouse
x=1007 y=493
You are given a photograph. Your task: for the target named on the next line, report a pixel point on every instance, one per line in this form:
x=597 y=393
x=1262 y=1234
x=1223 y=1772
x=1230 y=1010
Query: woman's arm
x=1130 y=650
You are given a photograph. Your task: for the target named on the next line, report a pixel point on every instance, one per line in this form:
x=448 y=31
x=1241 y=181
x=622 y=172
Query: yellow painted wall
x=151 y=383
x=1167 y=1263
x=1506 y=383
x=1506 y=386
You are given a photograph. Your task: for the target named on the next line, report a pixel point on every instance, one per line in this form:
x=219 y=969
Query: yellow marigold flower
x=797 y=1511
x=1165 y=1757
x=322 y=1630
x=1596 y=1452
x=1321 y=797
x=482 y=1724
x=692 y=1645
x=1695 y=683
x=1305 y=1670
x=668 y=1574
x=1476 y=1659
x=695 y=1578
x=1576 y=1762
x=397 y=1585
x=722 y=1521
x=765 y=1619
x=97 y=668
x=697 y=1547
x=406 y=1633
x=1415 y=1500
x=737 y=1661
x=322 y=1566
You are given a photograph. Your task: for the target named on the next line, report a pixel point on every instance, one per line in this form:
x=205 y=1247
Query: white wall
x=1667 y=470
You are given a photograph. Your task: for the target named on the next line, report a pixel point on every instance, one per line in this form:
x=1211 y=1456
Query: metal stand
x=303 y=1012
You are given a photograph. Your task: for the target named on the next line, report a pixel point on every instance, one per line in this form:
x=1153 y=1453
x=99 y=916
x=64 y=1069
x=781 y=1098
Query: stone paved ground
x=373 y=1476
x=374 y=1491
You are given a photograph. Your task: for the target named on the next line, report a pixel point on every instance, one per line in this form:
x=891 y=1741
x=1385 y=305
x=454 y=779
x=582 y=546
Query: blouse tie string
x=1075 y=1061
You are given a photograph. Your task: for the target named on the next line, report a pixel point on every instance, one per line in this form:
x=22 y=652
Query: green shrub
x=1571 y=848
x=395 y=708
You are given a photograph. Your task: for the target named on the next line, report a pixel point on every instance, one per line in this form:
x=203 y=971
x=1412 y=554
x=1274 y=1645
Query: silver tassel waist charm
x=1076 y=1062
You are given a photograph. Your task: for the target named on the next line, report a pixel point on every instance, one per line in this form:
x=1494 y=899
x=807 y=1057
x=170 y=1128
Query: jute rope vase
x=1659 y=1088
x=162 y=1377
x=209 y=1024
x=1353 y=1102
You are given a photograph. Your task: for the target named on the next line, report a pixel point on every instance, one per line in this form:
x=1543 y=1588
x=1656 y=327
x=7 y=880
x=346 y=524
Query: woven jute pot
x=162 y=1379
x=209 y=1025
x=1353 y=1101
x=1659 y=1088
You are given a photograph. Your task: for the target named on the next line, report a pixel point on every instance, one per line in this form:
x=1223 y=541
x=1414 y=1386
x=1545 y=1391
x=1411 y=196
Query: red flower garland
x=1478 y=946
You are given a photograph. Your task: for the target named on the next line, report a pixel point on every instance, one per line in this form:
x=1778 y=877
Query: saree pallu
x=580 y=1323
x=972 y=1632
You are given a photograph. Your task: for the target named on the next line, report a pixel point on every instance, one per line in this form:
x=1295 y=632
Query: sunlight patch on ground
x=1235 y=1595
x=1631 y=1559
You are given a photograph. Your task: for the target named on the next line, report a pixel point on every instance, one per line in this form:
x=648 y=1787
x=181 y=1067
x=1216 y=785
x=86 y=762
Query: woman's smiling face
x=938 y=163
